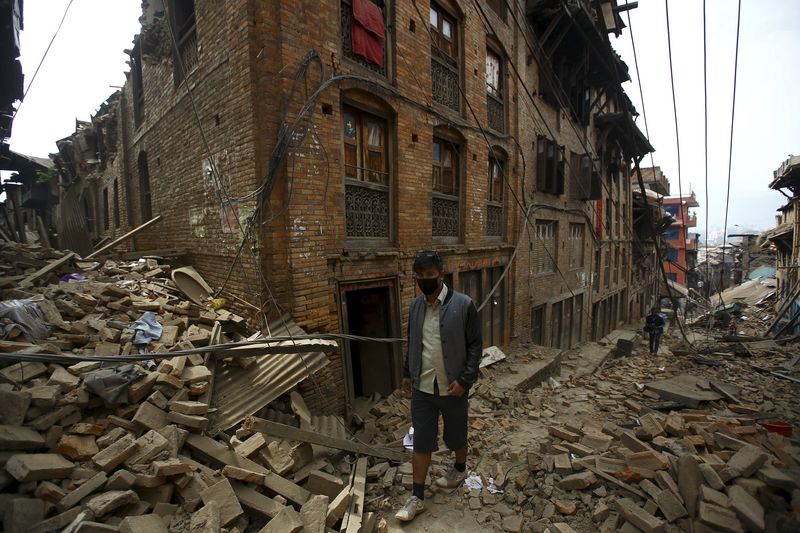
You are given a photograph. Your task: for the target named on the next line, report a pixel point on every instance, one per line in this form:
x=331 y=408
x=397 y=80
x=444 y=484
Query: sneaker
x=452 y=479
x=412 y=508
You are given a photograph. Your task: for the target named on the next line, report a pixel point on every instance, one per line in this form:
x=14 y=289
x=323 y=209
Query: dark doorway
x=555 y=324
x=495 y=311
x=370 y=312
x=537 y=325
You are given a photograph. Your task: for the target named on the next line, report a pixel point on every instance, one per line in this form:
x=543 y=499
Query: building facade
x=681 y=251
x=301 y=153
x=784 y=238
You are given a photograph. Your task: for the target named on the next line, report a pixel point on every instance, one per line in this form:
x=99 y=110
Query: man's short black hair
x=428 y=258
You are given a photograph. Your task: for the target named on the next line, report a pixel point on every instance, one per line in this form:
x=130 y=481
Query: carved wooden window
x=367 y=180
x=446 y=208
x=445 y=58
x=184 y=54
x=494 y=208
x=544 y=248
x=494 y=91
x=576 y=245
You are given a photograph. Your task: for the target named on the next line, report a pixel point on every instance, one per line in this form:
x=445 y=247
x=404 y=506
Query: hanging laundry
x=368 y=31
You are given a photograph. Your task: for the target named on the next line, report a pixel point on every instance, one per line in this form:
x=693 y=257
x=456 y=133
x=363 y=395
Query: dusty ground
x=507 y=424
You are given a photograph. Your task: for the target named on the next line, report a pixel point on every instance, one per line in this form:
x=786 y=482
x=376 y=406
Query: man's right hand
x=405 y=387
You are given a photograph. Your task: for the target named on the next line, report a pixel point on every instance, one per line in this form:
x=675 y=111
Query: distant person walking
x=654 y=326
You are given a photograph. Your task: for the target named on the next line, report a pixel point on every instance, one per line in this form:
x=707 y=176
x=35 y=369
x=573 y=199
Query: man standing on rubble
x=444 y=351
x=654 y=326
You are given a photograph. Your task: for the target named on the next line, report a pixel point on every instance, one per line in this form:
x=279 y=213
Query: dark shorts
x=425 y=410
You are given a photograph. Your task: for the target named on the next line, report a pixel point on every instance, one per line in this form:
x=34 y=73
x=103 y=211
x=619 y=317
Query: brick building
x=303 y=152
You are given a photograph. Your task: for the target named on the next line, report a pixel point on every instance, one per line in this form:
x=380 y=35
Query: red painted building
x=681 y=242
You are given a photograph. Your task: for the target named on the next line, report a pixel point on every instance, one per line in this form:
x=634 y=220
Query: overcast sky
x=87 y=59
x=767 y=121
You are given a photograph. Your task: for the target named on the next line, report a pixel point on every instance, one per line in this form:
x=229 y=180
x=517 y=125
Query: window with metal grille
x=367 y=177
x=576 y=245
x=445 y=54
x=494 y=208
x=544 y=247
x=445 y=203
x=549 y=166
x=495 y=109
x=607 y=267
x=184 y=53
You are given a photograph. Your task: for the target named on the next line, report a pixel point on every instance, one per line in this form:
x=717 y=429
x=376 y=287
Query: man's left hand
x=455 y=389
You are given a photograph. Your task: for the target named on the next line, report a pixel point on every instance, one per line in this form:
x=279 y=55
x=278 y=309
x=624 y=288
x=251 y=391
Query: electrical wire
x=730 y=146
x=675 y=114
x=41 y=61
x=705 y=137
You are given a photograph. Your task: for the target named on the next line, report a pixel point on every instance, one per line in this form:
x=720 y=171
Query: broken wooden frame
x=273 y=429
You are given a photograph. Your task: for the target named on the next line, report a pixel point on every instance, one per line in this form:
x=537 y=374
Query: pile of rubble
x=634 y=460
x=102 y=428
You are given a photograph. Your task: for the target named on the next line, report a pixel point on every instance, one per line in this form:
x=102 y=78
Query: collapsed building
x=301 y=165
x=784 y=239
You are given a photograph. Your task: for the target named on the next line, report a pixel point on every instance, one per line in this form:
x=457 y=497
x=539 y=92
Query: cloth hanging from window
x=368 y=32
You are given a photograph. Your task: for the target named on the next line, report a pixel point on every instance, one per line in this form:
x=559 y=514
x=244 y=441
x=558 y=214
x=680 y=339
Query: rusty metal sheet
x=240 y=392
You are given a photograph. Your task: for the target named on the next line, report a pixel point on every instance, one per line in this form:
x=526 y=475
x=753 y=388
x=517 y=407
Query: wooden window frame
x=577 y=244
x=362 y=147
x=496 y=188
x=359 y=177
x=438 y=191
x=547 y=238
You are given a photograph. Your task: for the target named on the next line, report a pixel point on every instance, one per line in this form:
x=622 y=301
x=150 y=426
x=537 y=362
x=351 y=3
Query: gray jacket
x=462 y=343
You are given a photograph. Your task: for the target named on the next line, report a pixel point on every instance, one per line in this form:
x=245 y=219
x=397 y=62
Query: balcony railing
x=494 y=109
x=366 y=211
x=444 y=74
x=494 y=220
x=444 y=211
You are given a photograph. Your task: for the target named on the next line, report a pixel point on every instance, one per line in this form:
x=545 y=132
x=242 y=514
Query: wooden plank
x=49 y=267
x=273 y=429
x=117 y=242
x=288 y=346
x=355 y=513
x=217 y=452
x=615 y=481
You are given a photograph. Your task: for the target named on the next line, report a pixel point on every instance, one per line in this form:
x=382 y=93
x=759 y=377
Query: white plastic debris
x=473 y=481
x=408 y=440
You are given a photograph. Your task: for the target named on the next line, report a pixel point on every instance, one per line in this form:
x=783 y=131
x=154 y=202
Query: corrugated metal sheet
x=239 y=392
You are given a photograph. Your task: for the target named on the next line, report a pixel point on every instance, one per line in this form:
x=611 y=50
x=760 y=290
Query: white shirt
x=432 y=359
